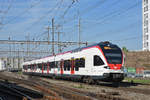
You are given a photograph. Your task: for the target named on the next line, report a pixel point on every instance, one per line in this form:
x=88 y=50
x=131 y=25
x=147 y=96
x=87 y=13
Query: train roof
x=106 y=43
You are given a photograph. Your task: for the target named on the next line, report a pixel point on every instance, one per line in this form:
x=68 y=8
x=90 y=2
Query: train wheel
x=116 y=84
x=88 y=80
x=53 y=77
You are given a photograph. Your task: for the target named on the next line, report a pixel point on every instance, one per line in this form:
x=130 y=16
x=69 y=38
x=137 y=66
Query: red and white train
x=102 y=61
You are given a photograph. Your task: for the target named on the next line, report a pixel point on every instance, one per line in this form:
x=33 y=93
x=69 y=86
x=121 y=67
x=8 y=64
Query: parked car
x=139 y=75
x=146 y=74
x=131 y=75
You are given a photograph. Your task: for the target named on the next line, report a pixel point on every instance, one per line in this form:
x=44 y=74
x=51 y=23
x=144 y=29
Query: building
x=146 y=25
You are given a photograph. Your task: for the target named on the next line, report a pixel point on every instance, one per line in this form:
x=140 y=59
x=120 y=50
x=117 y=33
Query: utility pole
x=9 y=59
x=53 y=51
x=58 y=37
x=9 y=47
x=48 y=36
x=79 y=31
x=59 y=45
x=28 y=43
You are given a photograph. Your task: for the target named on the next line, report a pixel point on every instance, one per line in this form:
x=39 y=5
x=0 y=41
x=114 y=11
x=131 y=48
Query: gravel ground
x=121 y=92
x=133 y=92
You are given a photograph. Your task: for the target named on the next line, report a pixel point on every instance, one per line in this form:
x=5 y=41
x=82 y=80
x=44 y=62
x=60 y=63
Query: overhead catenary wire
x=113 y=14
x=66 y=11
x=7 y=10
x=127 y=39
x=86 y=10
x=21 y=14
x=42 y=17
x=120 y=30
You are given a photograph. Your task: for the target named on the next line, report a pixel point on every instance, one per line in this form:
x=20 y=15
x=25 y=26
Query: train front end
x=114 y=58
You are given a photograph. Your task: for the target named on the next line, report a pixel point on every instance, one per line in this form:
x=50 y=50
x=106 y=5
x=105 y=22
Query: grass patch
x=142 y=81
x=79 y=86
x=20 y=72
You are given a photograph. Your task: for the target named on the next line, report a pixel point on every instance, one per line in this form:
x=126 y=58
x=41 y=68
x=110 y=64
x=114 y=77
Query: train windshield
x=112 y=53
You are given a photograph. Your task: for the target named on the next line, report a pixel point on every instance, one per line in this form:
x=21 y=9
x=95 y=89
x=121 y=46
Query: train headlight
x=107 y=67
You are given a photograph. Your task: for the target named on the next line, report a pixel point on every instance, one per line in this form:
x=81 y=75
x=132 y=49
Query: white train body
x=89 y=62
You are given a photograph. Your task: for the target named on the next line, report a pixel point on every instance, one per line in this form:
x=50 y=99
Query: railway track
x=53 y=91
x=10 y=91
x=124 y=86
x=76 y=94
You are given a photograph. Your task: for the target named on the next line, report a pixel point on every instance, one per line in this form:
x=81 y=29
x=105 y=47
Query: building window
x=147 y=37
x=146 y=30
x=145 y=22
x=145 y=8
x=145 y=2
x=147 y=44
x=146 y=16
x=98 y=61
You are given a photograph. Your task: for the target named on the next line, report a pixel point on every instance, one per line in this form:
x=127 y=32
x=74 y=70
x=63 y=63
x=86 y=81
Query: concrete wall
x=137 y=59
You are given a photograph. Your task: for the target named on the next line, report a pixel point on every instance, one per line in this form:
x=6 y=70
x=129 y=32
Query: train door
x=34 y=67
x=42 y=68
x=26 y=68
x=61 y=66
x=72 y=66
x=31 y=68
x=48 y=67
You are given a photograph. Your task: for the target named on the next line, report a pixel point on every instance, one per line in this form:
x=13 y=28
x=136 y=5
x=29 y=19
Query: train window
x=40 y=66
x=67 y=65
x=32 y=67
x=56 y=64
x=24 y=67
x=82 y=62
x=48 y=64
x=76 y=68
x=29 y=66
x=77 y=62
x=45 y=66
x=52 y=64
x=98 y=61
x=35 y=67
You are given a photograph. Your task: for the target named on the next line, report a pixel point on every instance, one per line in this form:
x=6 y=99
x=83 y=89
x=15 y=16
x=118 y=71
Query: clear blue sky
x=118 y=21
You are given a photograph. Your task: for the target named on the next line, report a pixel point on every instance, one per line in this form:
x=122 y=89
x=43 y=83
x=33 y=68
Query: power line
x=22 y=13
x=7 y=10
x=4 y=13
x=42 y=17
x=66 y=11
x=127 y=39
x=114 y=13
x=88 y=9
x=120 y=30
